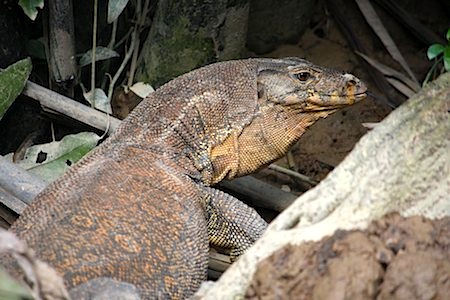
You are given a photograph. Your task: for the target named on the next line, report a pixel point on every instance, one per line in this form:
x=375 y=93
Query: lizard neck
x=267 y=138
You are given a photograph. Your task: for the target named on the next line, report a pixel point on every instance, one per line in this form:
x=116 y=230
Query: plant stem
x=141 y=16
x=292 y=173
x=124 y=38
x=94 y=46
x=111 y=45
x=122 y=65
x=432 y=70
x=113 y=35
x=133 y=61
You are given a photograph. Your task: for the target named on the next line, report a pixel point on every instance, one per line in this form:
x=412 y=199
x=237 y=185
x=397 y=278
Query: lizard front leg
x=231 y=224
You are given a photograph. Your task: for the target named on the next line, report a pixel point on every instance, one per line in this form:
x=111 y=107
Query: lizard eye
x=303 y=76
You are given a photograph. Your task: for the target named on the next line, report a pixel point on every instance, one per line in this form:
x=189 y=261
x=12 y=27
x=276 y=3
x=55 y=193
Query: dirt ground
x=395 y=258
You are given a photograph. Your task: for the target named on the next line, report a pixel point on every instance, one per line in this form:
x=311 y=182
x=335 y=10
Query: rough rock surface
x=394 y=258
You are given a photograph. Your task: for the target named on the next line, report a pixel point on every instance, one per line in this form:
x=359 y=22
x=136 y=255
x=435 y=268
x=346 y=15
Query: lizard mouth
x=331 y=101
x=356 y=97
x=360 y=96
x=355 y=92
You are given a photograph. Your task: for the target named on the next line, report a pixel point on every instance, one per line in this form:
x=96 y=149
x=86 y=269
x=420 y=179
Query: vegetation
x=441 y=55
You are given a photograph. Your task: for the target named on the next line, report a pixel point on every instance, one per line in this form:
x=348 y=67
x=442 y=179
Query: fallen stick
x=71 y=108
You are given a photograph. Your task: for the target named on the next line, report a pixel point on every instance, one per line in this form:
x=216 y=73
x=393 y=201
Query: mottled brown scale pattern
x=138 y=209
x=229 y=228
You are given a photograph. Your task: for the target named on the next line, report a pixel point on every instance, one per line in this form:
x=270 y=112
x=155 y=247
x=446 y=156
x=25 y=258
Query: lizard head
x=292 y=95
x=299 y=84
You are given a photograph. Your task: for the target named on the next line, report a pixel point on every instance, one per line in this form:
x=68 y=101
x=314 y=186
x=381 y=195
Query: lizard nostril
x=351 y=82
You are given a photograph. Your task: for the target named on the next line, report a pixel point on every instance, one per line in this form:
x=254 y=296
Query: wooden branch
x=62 y=63
x=292 y=173
x=18 y=182
x=17 y=189
x=259 y=193
x=218 y=263
x=11 y=202
x=71 y=108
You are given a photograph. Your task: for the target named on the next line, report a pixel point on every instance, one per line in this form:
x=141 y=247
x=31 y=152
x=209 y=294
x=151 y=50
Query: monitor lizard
x=140 y=207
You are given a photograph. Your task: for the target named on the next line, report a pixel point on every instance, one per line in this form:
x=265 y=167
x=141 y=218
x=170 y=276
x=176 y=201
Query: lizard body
x=139 y=208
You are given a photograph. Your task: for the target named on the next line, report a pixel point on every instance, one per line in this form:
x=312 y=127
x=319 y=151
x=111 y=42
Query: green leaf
x=30 y=7
x=447 y=59
x=50 y=161
x=101 y=100
x=12 y=82
x=10 y=289
x=101 y=53
x=434 y=50
x=115 y=8
x=448 y=35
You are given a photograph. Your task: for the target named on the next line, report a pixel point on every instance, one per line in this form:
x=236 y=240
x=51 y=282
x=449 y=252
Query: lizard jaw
x=360 y=96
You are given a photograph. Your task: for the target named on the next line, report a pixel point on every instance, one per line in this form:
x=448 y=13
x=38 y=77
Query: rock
x=274 y=22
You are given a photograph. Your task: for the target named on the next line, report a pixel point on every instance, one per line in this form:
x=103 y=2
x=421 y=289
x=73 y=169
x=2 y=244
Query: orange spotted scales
x=139 y=208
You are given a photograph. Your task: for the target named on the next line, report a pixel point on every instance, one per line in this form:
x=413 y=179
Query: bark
x=61 y=57
x=403 y=165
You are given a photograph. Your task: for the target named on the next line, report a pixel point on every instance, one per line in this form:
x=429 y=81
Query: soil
x=394 y=258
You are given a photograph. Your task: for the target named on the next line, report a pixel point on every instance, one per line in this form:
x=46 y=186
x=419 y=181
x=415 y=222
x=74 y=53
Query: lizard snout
x=355 y=90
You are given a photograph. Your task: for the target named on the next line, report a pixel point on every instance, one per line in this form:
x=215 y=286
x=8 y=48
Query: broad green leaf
x=50 y=161
x=448 y=35
x=30 y=7
x=101 y=53
x=434 y=50
x=142 y=89
x=10 y=289
x=12 y=82
x=447 y=59
x=101 y=100
x=115 y=8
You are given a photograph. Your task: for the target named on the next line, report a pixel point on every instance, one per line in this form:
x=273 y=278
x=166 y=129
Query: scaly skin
x=138 y=209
